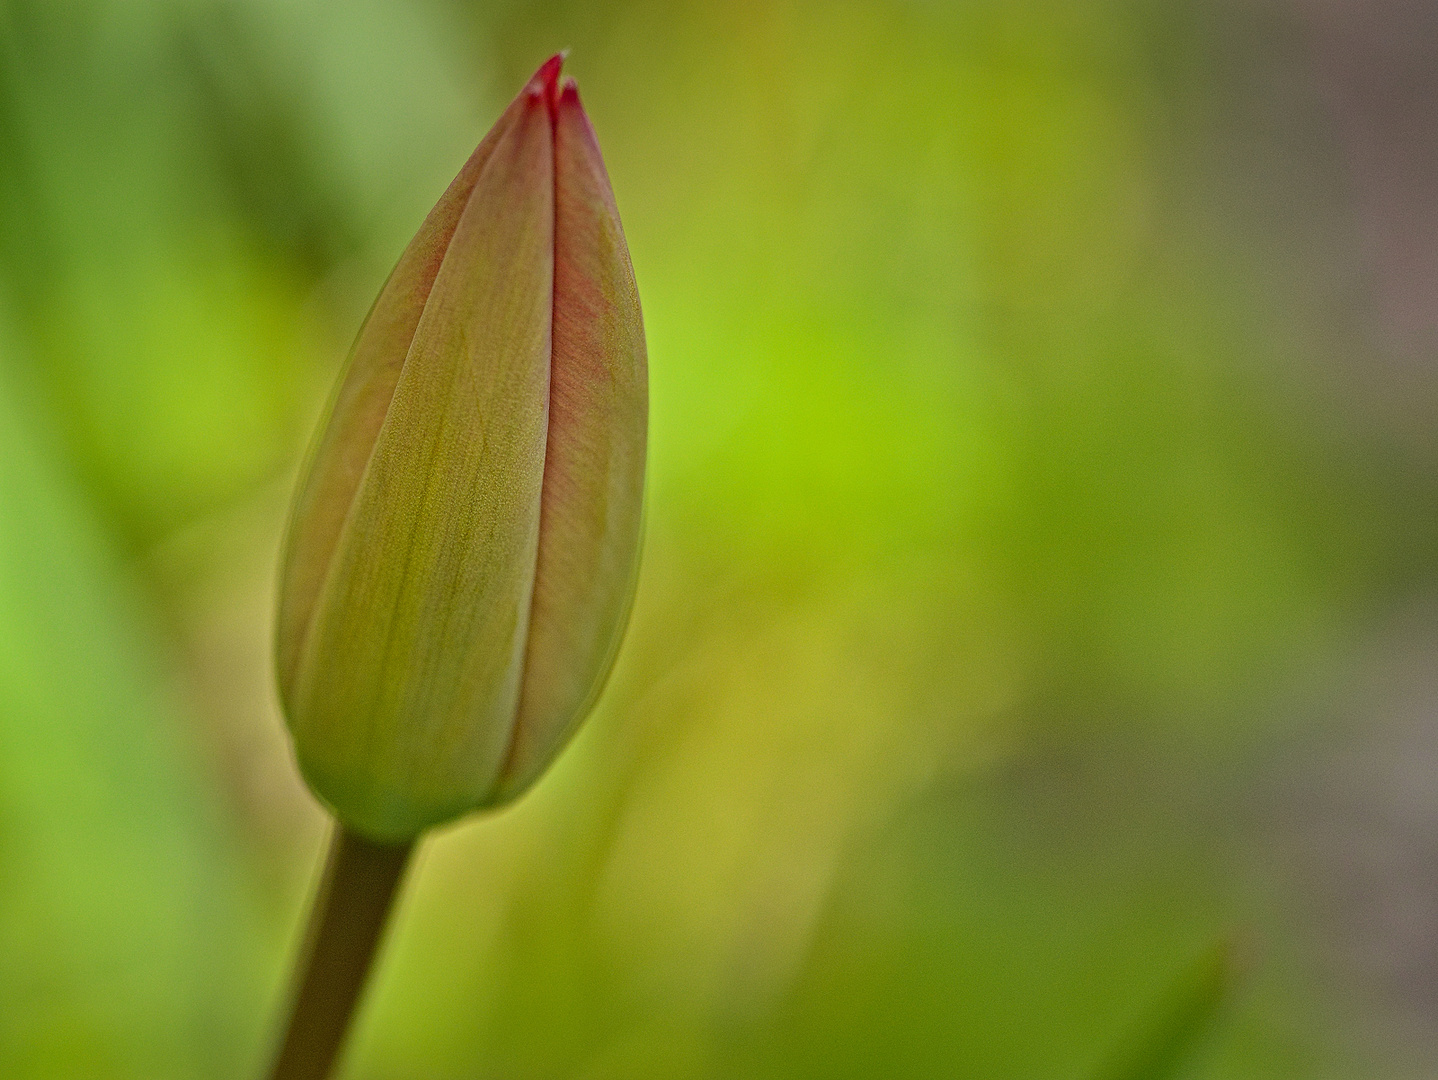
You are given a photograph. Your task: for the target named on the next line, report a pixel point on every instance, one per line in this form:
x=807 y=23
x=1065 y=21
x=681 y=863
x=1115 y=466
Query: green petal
x=408 y=680
x=339 y=456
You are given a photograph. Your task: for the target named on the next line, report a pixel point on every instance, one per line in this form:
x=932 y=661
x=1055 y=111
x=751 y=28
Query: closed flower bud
x=463 y=546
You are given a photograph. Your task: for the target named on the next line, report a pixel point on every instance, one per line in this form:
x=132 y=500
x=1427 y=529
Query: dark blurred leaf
x=1173 y=1032
x=249 y=119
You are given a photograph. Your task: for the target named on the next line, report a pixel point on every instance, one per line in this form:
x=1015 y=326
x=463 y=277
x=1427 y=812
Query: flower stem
x=346 y=923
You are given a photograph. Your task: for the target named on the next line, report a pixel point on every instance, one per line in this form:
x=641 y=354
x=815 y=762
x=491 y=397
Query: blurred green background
x=1032 y=673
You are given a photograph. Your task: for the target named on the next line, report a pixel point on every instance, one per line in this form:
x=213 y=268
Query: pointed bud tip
x=569 y=92
x=545 y=80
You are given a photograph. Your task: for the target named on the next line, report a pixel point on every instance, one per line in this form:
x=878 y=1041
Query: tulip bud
x=463 y=548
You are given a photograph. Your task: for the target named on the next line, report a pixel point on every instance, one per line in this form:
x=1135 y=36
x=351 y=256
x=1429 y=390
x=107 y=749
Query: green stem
x=346 y=923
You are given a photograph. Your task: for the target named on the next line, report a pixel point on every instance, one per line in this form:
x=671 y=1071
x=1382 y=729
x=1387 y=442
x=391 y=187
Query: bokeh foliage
x=1003 y=531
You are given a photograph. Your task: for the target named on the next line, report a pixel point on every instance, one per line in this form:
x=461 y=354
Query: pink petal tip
x=546 y=79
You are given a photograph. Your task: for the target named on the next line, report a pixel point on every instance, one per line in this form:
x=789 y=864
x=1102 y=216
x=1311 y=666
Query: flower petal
x=338 y=458
x=594 y=462
x=407 y=683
